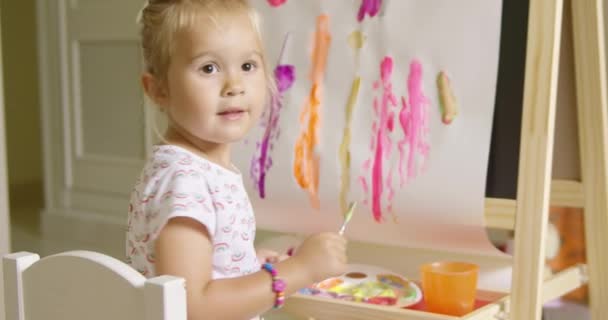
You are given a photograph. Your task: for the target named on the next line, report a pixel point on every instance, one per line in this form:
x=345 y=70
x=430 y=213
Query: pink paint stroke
x=261 y=162
x=381 y=141
x=276 y=3
x=369 y=7
x=414 y=120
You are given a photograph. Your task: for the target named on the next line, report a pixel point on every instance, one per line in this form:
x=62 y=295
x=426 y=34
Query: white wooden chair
x=87 y=285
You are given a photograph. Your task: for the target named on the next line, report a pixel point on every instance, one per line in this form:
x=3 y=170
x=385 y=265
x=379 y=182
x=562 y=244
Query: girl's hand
x=265 y=255
x=323 y=256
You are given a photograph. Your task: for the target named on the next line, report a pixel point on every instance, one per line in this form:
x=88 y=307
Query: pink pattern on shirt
x=177 y=183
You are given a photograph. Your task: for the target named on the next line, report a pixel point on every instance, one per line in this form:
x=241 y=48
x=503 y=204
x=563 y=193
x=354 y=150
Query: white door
x=4 y=222
x=93 y=119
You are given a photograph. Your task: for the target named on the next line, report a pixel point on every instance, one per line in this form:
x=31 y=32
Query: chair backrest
x=87 y=285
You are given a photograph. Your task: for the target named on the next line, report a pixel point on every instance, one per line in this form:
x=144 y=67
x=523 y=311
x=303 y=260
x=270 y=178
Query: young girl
x=189 y=214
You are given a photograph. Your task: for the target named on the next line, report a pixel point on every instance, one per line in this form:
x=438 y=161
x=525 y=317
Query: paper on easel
x=418 y=120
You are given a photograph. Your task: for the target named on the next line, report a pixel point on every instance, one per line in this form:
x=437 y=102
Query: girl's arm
x=266 y=255
x=184 y=249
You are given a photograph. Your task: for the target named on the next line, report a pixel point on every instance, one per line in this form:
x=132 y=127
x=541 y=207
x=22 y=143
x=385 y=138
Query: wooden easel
x=528 y=292
x=535 y=187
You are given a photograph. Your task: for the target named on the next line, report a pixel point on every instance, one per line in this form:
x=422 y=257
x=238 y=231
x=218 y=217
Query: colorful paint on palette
x=306 y=162
x=373 y=287
x=262 y=161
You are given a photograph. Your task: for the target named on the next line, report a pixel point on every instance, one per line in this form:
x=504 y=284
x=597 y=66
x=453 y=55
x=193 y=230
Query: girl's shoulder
x=171 y=170
x=175 y=156
x=166 y=159
x=171 y=158
x=169 y=155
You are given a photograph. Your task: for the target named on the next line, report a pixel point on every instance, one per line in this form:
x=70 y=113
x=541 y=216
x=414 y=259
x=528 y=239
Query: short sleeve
x=180 y=192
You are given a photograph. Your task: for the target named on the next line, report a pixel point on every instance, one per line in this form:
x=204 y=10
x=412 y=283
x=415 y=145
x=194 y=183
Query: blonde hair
x=161 y=20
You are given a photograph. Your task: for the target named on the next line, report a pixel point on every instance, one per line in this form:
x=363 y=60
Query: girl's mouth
x=232 y=114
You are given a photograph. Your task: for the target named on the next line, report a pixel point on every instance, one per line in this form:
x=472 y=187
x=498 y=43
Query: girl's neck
x=215 y=152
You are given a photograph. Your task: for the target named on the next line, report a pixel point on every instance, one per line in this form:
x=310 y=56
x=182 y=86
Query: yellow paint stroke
x=447 y=100
x=306 y=163
x=345 y=145
x=356 y=40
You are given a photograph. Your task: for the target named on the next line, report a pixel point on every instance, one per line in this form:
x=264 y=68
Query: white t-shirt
x=178 y=183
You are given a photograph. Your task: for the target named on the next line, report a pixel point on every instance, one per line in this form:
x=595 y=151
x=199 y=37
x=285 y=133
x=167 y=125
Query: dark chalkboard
x=504 y=149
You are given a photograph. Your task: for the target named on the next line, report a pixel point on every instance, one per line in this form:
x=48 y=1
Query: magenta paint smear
x=262 y=161
x=414 y=120
x=370 y=8
x=381 y=144
x=276 y=3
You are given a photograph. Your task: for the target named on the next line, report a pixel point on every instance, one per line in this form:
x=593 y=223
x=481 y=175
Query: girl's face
x=216 y=79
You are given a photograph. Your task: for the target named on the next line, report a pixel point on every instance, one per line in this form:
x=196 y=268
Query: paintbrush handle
x=347 y=216
x=343 y=228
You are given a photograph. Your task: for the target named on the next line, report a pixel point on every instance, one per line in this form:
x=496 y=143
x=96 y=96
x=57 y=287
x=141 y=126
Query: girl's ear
x=154 y=89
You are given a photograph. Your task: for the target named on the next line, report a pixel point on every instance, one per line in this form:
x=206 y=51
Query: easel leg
x=535 y=158
x=589 y=52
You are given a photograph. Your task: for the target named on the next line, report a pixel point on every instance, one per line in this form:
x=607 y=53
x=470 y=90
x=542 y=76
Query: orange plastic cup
x=449 y=287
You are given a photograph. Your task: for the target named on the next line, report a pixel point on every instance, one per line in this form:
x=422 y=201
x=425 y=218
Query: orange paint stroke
x=321 y=49
x=306 y=163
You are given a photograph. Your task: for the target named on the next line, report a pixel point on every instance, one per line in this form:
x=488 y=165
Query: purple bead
x=273 y=272
x=279 y=285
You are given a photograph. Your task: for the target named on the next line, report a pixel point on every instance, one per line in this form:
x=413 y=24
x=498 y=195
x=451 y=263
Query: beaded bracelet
x=278 y=285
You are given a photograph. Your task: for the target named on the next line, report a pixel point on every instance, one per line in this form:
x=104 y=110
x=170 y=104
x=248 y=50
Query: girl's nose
x=233 y=87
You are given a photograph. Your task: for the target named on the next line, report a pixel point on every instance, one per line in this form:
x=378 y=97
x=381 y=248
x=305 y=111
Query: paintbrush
x=347 y=216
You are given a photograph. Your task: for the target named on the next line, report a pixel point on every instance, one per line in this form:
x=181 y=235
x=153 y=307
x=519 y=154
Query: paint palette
x=368 y=284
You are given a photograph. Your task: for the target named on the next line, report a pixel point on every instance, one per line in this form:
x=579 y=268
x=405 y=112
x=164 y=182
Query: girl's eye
x=208 y=68
x=248 y=66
